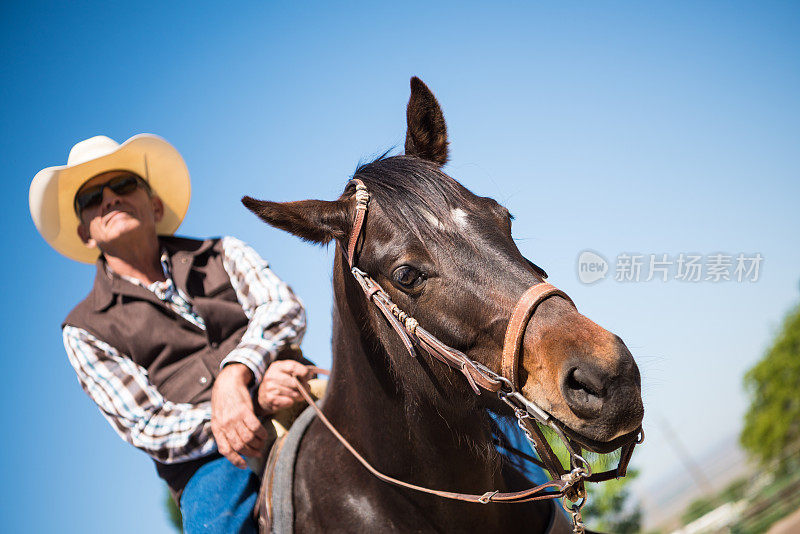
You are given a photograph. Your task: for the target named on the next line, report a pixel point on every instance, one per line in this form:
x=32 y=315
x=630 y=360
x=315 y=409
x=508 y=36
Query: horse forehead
x=458 y=216
x=432 y=219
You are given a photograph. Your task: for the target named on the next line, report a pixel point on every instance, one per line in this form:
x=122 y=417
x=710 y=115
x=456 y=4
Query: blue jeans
x=507 y=432
x=219 y=498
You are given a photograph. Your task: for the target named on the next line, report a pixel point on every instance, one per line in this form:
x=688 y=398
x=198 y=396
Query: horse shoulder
x=333 y=493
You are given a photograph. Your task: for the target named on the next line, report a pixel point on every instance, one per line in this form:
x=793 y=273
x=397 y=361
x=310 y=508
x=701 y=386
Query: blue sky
x=646 y=128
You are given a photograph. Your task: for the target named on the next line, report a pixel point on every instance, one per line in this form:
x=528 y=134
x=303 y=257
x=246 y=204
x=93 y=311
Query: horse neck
x=398 y=435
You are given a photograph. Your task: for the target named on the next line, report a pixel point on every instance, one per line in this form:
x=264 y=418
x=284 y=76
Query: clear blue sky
x=647 y=128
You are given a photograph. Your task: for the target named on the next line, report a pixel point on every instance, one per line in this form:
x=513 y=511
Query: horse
x=445 y=256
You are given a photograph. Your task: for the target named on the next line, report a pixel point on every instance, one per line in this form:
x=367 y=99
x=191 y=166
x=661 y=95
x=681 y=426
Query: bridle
x=567 y=483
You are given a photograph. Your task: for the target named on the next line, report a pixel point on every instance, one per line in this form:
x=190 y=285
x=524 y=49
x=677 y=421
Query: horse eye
x=407 y=277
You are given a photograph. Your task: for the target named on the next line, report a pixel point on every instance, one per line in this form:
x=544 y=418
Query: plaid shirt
x=172 y=432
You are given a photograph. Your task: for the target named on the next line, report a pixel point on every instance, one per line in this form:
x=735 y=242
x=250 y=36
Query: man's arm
x=276 y=321
x=169 y=432
x=277 y=317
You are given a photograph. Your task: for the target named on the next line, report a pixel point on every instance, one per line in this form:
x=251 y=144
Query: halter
x=564 y=483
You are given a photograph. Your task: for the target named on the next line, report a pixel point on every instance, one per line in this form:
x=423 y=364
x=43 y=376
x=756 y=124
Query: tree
x=609 y=508
x=173 y=512
x=772 y=423
x=698 y=508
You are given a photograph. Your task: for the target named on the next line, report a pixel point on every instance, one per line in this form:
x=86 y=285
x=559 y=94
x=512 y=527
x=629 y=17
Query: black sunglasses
x=121 y=185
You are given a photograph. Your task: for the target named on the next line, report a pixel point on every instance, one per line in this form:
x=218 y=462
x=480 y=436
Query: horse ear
x=426 y=136
x=317 y=221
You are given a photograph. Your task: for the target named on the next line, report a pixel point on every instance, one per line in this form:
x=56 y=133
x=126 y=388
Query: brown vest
x=181 y=359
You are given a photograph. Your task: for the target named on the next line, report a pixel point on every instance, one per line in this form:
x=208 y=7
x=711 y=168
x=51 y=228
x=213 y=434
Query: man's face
x=118 y=217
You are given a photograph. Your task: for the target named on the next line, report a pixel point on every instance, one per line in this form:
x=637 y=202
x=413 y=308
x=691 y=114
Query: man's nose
x=109 y=199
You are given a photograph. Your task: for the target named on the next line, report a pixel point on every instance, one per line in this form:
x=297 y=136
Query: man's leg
x=520 y=472
x=219 y=498
x=507 y=433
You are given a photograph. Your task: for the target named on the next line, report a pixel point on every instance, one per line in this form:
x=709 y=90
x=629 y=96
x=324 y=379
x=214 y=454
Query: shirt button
x=214 y=344
x=203 y=380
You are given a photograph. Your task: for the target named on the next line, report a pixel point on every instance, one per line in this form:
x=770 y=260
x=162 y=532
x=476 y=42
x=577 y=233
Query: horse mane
x=413 y=192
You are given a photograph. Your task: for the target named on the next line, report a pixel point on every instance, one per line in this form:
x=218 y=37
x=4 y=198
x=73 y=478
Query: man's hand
x=277 y=389
x=236 y=428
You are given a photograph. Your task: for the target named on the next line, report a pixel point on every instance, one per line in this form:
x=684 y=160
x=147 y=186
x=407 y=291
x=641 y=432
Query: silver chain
x=574 y=510
x=581 y=470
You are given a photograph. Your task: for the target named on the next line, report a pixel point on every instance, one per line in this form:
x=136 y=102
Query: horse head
x=446 y=257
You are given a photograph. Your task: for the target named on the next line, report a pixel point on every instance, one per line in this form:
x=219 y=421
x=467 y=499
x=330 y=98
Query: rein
x=564 y=483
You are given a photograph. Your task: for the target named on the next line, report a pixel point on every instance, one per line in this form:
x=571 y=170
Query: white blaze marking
x=436 y=223
x=460 y=217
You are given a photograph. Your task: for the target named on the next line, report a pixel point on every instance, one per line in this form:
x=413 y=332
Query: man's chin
x=118 y=217
x=124 y=230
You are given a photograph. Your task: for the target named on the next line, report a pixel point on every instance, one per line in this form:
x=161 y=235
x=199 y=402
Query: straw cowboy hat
x=52 y=192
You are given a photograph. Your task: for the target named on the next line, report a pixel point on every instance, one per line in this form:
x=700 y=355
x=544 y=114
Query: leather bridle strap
x=407 y=327
x=515 y=331
x=548 y=458
x=549 y=490
x=409 y=330
x=626 y=451
x=362 y=200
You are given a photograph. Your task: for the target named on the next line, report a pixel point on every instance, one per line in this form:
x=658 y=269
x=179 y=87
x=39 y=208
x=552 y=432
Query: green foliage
x=173 y=512
x=777 y=498
x=608 y=508
x=772 y=422
x=735 y=491
x=698 y=508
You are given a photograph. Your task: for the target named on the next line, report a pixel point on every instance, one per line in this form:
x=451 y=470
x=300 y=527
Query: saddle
x=273 y=510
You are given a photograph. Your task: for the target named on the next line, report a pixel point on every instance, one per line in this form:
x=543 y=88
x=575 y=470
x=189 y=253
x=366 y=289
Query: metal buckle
x=359 y=274
x=517 y=402
x=486 y=498
x=583 y=471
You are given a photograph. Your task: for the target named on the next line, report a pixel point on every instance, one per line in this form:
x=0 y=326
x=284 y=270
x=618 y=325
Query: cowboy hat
x=52 y=193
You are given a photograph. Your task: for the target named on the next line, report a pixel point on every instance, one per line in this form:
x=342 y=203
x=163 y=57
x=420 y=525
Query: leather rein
x=567 y=483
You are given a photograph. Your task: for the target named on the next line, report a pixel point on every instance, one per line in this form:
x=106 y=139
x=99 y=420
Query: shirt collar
x=180 y=254
x=165 y=267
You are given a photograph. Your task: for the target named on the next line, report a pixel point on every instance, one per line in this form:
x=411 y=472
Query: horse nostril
x=580 y=378
x=584 y=392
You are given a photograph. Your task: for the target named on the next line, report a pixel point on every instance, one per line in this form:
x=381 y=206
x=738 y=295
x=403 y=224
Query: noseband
x=564 y=483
